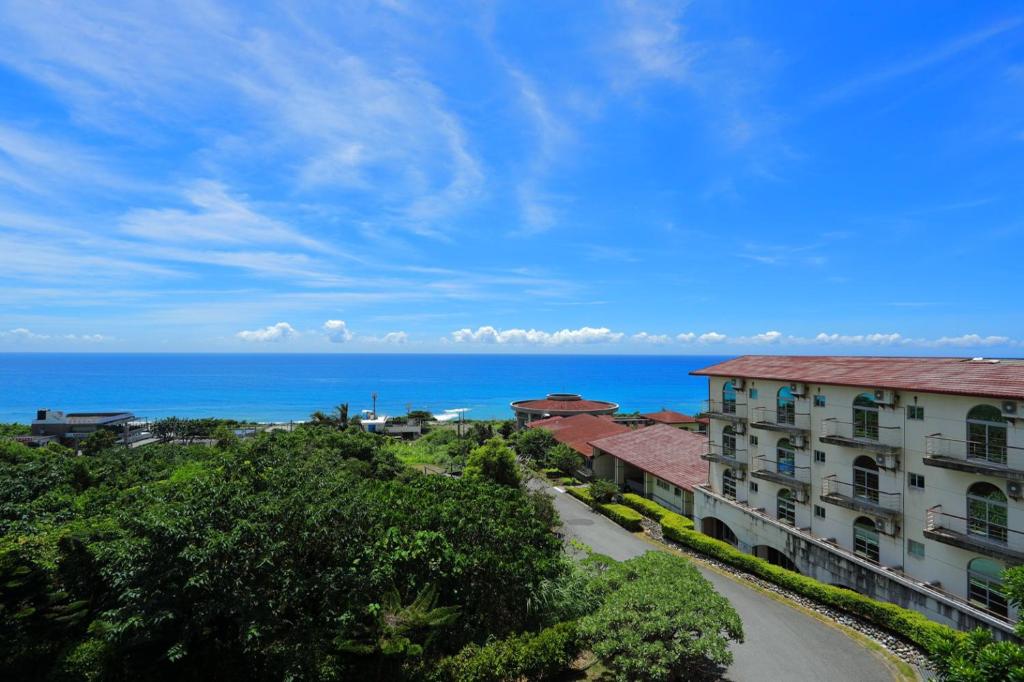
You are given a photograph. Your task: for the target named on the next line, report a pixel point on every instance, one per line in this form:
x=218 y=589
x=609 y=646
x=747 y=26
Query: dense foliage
x=304 y=555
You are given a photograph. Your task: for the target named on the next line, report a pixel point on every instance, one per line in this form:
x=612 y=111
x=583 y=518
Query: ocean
x=283 y=387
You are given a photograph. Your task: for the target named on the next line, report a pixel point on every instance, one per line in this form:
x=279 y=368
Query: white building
x=900 y=478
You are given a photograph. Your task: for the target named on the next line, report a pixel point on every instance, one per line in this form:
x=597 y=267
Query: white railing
x=937 y=445
x=725 y=410
x=868 y=434
x=782 y=417
x=737 y=455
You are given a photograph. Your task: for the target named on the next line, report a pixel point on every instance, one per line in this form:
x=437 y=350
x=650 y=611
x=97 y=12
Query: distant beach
x=282 y=387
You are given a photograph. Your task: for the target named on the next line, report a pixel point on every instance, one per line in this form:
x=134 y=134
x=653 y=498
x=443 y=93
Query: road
x=782 y=642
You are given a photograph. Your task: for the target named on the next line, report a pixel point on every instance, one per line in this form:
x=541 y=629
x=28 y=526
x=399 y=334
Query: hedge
x=648 y=508
x=621 y=514
x=531 y=656
x=582 y=494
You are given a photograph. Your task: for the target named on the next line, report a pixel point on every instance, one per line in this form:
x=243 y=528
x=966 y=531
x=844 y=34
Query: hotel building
x=900 y=478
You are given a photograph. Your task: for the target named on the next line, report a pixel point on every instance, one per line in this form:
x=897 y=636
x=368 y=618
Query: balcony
x=733 y=457
x=787 y=421
x=1002 y=461
x=982 y=537
x=861 y=498
x=730 y=412
x=886 y=440
x=782 y=473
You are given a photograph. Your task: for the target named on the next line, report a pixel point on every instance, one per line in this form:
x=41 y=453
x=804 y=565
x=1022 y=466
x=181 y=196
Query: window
x=819 y=511
x=820 y=400
x=865 y=479
x=915 y=548
x=865 y=417
x=729 y=484
x=865 y=539
x=915 y=480
x=785 y=510
x=986 y=434
x=728 y=398
x=677 y=491
x=753 y=486
x=986 y=512
x=915 y=412
x=785 y=458
x=729 y=442
x=753 y=440
x=819 y=456
x=661 y=484
x=984 y=586
x=785 y=406
x=753 y=394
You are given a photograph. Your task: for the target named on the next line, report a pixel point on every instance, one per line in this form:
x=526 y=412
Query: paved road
x=782 y=643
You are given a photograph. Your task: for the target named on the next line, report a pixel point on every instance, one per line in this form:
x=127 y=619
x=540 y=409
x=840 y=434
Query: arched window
x=729 y=484
x=986 y=434
x=865 y=417
x=785 y=509
x=865 y=478
x=729 y=398
x=729 y=442
x=986 y=511
x=785 y=406
x=865 y=539
x=985 y=586
x=785 y=457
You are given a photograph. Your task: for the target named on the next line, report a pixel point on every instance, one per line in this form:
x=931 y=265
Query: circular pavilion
x=559 y=405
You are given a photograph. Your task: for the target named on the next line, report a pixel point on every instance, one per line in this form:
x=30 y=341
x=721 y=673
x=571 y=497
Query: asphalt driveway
x=782 y=643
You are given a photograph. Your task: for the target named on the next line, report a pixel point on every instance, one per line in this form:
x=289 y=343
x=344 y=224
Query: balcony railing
x=977 y=535
x=775 y=419
x=727 y=411
x=864 y=436
x=723 y=455
x=781 y=471
x=1006 y=461
x=860 y=497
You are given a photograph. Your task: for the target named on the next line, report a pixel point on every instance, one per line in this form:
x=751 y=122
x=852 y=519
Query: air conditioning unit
x=738 y=383
x=799 y=390
x=1011 y=409
x=800 y=495
x=1015 y=489
x=887 y=461
x=798 y=440
x=888 y=526
x=740 y=428
x=739 y=473
x=884 y=396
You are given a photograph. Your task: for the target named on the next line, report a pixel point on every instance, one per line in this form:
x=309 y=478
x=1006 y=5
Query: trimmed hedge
x=582 y=494
x=621 y=514
x=674 y=525
x=540 y=655
x=648 y=508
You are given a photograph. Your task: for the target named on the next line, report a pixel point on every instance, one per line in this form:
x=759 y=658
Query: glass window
x=753 y=440
x=729 y=398
x=753 y=486
x=915 y=548
x=865 y=479
x=865 y=417
x=915 y=412
x=753 y=394
x=819 y=511
x=915 y=480
x=819 y=400
x=985 y=586
x=986 y=434
x=785 y=406
x=785 y=458
x=728 y=442
x=785 y=508
x=865 y=539
x=661 y=484
x=729 y=484
x=986 y=512
x=819 y=456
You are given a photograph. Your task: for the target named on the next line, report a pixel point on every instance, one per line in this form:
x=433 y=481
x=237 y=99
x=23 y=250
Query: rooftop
x=579 y=430
x=565 y=403
x=671 y=454
x=672 y=417
x=991 y=378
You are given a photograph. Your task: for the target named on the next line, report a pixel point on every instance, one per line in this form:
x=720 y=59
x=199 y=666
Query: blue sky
x=705 y=177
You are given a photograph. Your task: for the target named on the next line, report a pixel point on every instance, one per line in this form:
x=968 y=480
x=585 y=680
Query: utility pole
x=374 y=397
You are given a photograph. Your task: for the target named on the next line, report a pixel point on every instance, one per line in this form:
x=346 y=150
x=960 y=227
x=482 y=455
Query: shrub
x=674 y=525
x=603 y=491
x=624 y=516
x=531 y=656
x=582 y=493
x=564 y=458
x=648 y=508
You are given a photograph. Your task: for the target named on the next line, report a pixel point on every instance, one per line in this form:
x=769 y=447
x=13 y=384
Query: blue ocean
x=283 y=387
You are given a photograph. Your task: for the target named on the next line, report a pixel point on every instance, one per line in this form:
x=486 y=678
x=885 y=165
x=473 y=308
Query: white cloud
x=657 y=339
x=650 y=39
x=395 y=337
x=281 y=331
x=712 y=337
x=686 y=337
x=23 y=334
x=583 y=335
x=337 y=331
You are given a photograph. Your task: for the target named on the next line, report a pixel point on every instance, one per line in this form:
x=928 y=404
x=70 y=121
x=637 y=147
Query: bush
x=603 y=491
x=673 y=526
x=648 y=508
x=624 y=516
x=582 y=493
x=531 y=656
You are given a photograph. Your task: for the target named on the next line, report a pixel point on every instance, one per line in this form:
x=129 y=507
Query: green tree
x=602 y=491
x=564 y=458
x=507 y=428
x=493 y=461
x=660 y=620
x=533 y=444
x=98 y=441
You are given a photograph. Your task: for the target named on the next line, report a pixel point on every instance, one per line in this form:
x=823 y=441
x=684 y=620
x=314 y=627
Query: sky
x=555 y=177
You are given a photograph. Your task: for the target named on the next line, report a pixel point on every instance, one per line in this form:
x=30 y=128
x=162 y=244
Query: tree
x=98 y=441
x=533 y=444
x=493 y=461
x=602 y=491
x=507 y=428
x=564 y=458
x=480 y=432
x=420 y=415
x=660 y=620
x=342 y=419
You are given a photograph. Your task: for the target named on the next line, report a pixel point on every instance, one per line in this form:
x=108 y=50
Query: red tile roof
x=571 y=404
x=578 y=430
x=669 y=453
x=958 y=376
x=669 y=417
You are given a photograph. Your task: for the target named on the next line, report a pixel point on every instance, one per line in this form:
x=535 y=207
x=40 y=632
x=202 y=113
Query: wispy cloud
x=275 y=333
x=22 y=334
x=492 y=335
